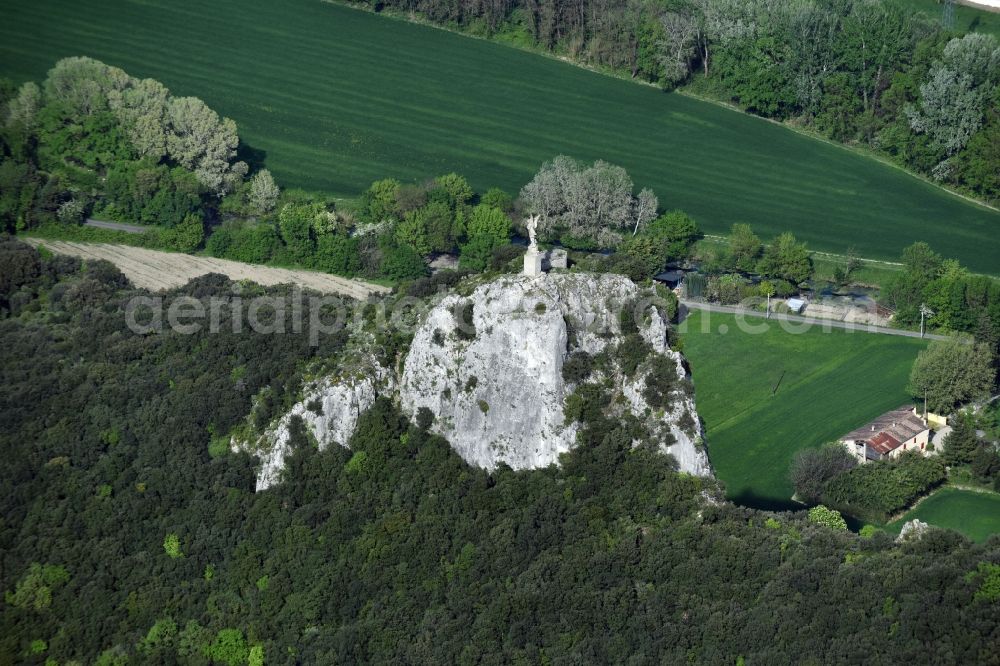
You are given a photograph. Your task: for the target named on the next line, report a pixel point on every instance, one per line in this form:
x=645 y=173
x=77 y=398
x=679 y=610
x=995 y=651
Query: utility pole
x=924 y=312
x=768 y=290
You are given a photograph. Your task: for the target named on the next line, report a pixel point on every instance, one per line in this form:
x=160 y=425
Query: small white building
x=795 y=305
x=889 y=436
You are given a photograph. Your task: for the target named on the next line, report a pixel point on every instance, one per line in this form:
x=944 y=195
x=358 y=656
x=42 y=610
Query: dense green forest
x=865 y=72
x=127 y=536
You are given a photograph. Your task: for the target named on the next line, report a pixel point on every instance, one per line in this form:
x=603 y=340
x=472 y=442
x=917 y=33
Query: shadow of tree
x=751 y=500
x=254 y=157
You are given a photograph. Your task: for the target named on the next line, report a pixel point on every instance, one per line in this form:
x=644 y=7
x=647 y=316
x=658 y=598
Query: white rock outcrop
x=497 y=392
x=496 y=388
x=329 y=409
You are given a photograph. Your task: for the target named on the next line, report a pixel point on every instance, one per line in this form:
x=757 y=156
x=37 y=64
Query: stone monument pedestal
x=532 y=263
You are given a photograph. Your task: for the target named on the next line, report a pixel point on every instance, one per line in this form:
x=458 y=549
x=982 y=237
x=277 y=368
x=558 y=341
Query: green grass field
x=336 y=98
x=976 y=515
x=967 y=19
x=830 y=383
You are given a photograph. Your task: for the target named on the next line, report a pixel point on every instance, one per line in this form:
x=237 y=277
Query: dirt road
x=155 y=270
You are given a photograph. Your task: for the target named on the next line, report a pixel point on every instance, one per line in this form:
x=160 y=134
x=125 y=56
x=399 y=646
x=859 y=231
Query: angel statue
x=532 y=225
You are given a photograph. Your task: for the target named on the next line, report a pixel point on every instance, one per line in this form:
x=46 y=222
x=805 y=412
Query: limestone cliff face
x=489 y=366
x=329 y=409
x=497 y=394
x=497 y=388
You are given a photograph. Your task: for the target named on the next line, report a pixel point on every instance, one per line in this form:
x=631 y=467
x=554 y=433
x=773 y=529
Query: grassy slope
x=834 y=381
x=336 y=98
x=976 y=515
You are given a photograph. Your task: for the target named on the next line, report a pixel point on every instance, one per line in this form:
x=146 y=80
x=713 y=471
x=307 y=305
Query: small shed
x=671 y=279
x=555 y=258
x=795 y=305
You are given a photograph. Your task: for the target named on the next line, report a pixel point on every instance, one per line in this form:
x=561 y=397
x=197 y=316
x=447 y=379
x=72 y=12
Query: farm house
x=889 y=435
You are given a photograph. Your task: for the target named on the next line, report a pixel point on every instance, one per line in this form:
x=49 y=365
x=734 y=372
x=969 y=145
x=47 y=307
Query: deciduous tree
x=263 y=193
x=951 y=373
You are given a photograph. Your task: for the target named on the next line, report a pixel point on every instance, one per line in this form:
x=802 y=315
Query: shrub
x=457 y=187
x=728 y=289
x=660 y=381
x=488 y=229
x=401 y=262
x=577 y=367
x=877 y=490
x=827 y=517
x=229 y=647
x=584 y=405
x=428 y=286
x=425 y=418
x=501 y=257
x=250 y=243
x=185 y=236
x=337 y=253
x=631 y=352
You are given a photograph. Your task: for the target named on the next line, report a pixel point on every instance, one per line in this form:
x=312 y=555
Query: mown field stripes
x=333 y=98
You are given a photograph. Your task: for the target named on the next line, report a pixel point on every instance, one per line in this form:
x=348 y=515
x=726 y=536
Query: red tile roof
x=883 y=443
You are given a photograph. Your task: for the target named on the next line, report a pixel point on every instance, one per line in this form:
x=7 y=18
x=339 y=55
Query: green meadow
x=331 y=98
x=966 y=19
x=974 y=514
x=768 y=393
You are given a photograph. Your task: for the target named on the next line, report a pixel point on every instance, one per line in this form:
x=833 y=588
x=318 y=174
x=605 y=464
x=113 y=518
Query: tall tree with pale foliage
x=204 y=143
x=953 y=99
x=263 y=192
x=182 y=129
x=593 y=202
x=23 y=109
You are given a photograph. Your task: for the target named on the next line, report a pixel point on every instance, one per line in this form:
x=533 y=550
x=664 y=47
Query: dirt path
x=155 y=270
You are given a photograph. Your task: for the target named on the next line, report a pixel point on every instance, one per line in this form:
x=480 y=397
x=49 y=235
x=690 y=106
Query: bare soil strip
x=155 y=270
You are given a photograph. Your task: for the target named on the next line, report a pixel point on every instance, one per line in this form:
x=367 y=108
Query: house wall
x=918 y=444
x=937 y=421
x=856 y=449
